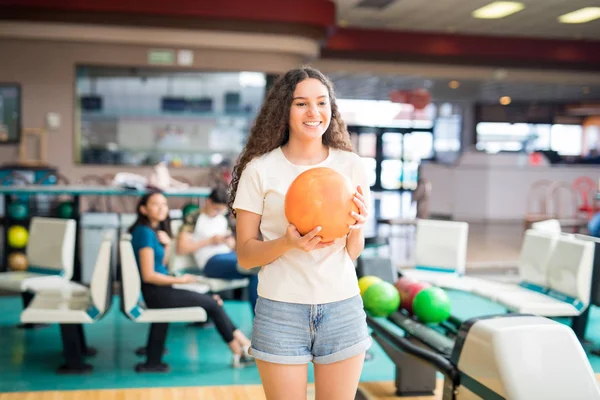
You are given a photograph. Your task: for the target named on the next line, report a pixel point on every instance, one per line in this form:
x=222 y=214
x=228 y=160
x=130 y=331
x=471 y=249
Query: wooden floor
x=373 y=390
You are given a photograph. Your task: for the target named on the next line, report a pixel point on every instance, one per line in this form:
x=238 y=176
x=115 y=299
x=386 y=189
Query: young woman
x=151 y=241
x=309 y=306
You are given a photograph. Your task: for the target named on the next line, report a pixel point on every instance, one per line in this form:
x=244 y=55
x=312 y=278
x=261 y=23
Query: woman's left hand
x=362 y=214
x=163 y=238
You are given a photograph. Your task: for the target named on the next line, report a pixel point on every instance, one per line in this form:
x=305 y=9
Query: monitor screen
x=10 y=113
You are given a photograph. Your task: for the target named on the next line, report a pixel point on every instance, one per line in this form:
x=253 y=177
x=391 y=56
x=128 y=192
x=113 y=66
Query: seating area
x=556 y=277
x=571 y=203
x=558 y=272
x=52 y=298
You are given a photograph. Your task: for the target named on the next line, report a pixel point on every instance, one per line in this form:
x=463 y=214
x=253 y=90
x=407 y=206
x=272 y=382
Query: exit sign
x=161 y=57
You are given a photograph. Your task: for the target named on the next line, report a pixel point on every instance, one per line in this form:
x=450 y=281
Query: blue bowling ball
x=594 y=226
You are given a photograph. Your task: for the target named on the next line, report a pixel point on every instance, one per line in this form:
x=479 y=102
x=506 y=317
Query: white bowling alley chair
x=135 y=309
x=72 y=309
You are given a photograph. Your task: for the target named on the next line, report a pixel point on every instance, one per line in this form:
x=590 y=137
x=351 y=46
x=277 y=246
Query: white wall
x=492 y=190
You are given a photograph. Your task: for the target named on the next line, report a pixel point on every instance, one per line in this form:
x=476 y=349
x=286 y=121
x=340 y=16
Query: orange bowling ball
x=321 y=197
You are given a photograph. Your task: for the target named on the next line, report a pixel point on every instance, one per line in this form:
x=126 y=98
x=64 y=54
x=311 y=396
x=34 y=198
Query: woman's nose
x=312 y=110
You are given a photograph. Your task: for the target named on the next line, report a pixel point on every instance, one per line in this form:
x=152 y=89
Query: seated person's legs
x=224 y=266
x=168 y=297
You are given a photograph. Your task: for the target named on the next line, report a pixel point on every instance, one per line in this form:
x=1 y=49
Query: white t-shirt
x=207 y=227
x=316 y=277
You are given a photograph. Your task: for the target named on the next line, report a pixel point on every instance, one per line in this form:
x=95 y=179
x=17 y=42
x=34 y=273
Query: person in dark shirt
x=151 y=242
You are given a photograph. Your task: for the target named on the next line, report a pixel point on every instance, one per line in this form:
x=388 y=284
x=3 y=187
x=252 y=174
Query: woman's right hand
x=187 y=278
x=217 y=239
x=308 y=242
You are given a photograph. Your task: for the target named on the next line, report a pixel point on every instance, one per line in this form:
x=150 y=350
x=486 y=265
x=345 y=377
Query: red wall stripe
x=312 y=12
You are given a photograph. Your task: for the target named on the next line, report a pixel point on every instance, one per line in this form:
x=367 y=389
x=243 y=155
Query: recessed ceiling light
x=498 y=9
x=453 y=84
x=505 y=100
x=580 y=16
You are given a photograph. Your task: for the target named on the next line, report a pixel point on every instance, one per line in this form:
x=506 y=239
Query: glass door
x=392 y=155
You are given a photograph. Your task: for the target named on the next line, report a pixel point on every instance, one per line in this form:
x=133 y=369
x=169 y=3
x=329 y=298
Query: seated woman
x=151 y=239
x=205 y=234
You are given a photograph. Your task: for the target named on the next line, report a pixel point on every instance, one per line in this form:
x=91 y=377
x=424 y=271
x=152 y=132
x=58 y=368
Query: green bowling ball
x=65 y=210
x=432 y=305
x=381 y=299
x=18 y=211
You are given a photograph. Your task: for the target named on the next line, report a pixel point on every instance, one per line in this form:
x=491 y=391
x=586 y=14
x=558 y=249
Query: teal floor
x=198 y=357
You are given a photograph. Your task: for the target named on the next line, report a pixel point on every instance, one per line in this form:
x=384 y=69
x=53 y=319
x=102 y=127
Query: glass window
x=370 y=166
x=391 y=174
x=592 y=140
x=10 y=113
x=383 y=113
x=566 y=139
x=418 y=146
x=494 y=137
x=130 y=116
x=410 y=175
x=367 y=144
x=392 y=145
x=541 y=135
x=446 y=134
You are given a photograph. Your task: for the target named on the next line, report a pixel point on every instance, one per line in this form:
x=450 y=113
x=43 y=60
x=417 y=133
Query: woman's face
x=156 y=209
x=213 y=209
x=310 y=113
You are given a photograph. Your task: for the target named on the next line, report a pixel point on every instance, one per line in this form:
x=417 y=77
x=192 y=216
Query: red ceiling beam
x=318 y=16
x=320 y=13
x=400 y=45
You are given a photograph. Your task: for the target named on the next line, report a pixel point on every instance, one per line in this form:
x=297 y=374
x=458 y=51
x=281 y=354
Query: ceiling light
x=453 y=84
x=505 y=100
x=580 y=16
x=498 y=9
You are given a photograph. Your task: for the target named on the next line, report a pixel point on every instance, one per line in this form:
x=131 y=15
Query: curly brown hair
x=271 y=127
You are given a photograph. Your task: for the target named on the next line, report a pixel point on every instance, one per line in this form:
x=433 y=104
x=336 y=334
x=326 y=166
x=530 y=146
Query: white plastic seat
x=71 y=309
x=566 y=289
x=185 y=264
x=64 y=306
x=50 y=256
x=136 y=310
x=548 y=225
x=528 y=302
x=441 y=254
x=535 y=252
x=134 y=307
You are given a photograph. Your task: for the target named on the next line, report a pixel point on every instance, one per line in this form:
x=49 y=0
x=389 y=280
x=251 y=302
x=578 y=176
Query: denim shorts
x=289 y=333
